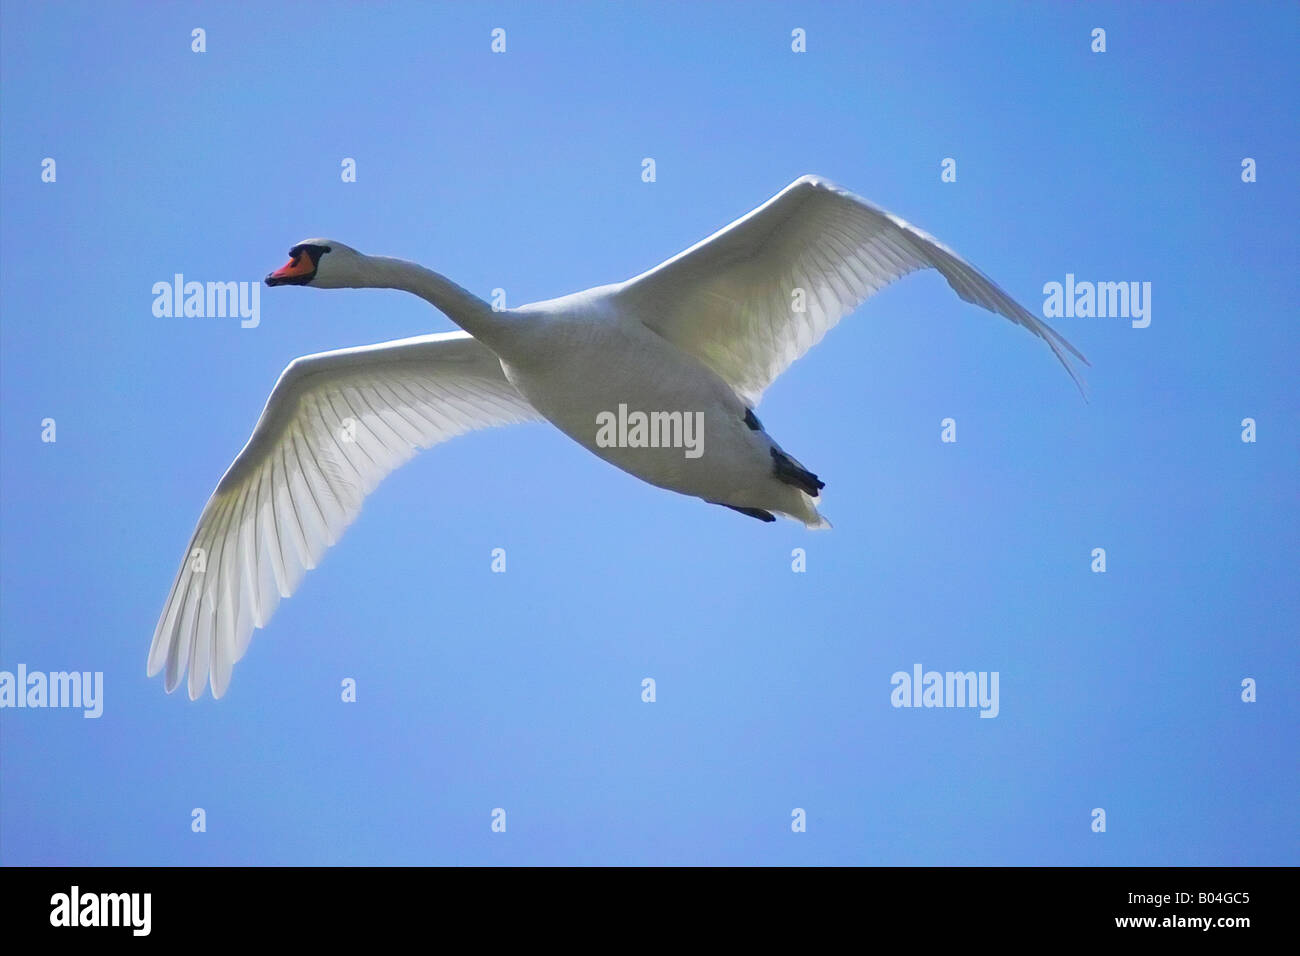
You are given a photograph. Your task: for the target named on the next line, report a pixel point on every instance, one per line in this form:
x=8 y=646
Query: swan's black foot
x=792 y=473
x=758 y=513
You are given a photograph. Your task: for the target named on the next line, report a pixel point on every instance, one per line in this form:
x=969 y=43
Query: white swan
x=702 y=334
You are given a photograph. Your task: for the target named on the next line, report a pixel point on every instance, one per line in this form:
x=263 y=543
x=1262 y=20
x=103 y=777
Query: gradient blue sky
x=522 y=691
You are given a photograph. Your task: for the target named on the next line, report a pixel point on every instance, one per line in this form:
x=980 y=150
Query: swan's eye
x=314 y=252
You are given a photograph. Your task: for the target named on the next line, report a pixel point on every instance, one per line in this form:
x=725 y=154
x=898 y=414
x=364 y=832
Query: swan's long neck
x=461 y=306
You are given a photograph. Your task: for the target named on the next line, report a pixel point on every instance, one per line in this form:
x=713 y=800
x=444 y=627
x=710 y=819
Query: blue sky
x=522 y=690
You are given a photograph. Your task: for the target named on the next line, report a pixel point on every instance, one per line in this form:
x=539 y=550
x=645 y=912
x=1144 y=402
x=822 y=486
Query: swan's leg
x=786 y=468
x=758 y=513
x=792 y=473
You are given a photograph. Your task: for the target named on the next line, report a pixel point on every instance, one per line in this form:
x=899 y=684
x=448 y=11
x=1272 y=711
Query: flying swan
x=696 y=340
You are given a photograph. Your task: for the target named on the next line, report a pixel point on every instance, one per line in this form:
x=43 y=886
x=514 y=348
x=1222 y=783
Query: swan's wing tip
x=812 y=179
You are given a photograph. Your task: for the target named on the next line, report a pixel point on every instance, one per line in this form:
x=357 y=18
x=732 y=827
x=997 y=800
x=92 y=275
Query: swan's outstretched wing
x=730 y=299
x=335 y=425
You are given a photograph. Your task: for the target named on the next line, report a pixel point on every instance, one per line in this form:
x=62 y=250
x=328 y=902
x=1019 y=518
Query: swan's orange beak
x=297 y=267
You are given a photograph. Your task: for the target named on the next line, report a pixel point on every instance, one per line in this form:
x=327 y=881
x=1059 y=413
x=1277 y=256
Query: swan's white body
x=702 y=334
x=586 y=358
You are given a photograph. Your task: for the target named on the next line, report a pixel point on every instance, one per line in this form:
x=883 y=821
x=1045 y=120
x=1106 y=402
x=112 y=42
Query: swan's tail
x=821 y=523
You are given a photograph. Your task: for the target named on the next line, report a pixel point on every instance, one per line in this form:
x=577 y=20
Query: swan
x=701 y=335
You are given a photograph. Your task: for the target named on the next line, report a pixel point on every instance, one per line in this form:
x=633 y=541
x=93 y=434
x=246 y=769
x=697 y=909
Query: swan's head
x=321 y=263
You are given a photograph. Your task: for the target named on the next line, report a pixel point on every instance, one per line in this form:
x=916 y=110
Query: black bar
x=979 y=904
